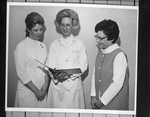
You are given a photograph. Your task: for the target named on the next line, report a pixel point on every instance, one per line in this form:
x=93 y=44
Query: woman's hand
x=96 y=103
x=40 y=95
x=74 y=76
x=44 y=88
x=61 y=76
x=93 y=101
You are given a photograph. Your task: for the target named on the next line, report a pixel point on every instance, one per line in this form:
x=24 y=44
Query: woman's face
x=102 y=41
x=66 y=26
x=36 y=32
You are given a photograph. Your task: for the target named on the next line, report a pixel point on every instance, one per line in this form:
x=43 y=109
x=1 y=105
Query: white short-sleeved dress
x=27 y=70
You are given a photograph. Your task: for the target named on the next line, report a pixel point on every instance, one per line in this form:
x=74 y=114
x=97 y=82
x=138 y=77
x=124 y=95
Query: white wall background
x=89 y=17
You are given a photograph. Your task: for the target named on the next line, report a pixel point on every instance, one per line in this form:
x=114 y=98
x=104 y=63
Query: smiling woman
x=66 y=55
x=32 y=82
x=36 y=32
x=66 y=26
x=110 y=83
x=34 y=26
x=67 y=52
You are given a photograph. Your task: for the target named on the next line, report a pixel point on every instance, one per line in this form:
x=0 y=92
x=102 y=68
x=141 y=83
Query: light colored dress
x=67 y=94
x=27 y=70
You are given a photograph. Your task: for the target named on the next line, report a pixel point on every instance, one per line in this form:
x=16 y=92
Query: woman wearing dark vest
x=110 y=82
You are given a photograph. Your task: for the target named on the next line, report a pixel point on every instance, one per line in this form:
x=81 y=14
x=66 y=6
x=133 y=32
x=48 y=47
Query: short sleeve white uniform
x=27 y=70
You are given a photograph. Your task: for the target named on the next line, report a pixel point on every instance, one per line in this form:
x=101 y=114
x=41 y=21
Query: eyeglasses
x=99 y=38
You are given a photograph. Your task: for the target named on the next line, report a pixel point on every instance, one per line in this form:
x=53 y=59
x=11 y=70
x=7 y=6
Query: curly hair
x=109 y=28
x=67 y=13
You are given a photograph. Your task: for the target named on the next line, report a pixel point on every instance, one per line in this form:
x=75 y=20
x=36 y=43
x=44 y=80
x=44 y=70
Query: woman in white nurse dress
x=32 y=80
x=67 y=52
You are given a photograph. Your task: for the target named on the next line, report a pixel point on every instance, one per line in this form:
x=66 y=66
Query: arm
x=20 y=64
x=93 y=93
x=46 y=84
x=120 y=65
x=20 y=56
x=40 y=95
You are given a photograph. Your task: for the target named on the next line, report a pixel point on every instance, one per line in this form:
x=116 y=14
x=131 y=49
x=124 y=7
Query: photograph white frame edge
x=69 y=110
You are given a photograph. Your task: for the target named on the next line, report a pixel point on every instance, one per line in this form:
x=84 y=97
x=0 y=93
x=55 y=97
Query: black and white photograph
x=71 y=58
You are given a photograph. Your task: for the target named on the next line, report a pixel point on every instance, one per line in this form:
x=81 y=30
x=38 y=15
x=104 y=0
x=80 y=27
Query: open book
x=68 y=71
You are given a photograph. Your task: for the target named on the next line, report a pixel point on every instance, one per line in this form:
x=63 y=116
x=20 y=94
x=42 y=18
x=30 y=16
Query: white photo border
x=68 y=110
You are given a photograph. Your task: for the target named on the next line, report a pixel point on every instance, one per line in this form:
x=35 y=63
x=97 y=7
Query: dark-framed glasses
x=99 y=38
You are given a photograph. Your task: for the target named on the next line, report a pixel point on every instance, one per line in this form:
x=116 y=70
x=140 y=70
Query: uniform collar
x=32 y=40
x=110 y=48
x=70 y=38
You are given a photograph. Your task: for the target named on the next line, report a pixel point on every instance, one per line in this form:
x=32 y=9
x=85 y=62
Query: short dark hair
x=109 y=28
x=32 y=19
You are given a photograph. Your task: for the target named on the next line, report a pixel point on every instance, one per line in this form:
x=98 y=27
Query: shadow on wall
x=118 y=41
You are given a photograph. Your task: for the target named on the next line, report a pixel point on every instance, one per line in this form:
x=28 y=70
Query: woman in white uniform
x=67 y=52
x=32 y=81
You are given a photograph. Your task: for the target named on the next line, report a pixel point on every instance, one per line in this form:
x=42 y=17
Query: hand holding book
x=62 y=74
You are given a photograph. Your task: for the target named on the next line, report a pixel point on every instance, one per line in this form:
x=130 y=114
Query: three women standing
x=110 y=81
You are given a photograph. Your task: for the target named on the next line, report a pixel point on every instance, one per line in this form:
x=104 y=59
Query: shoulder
x=22 y=47
x=116 y=49
x=23 y=44
x=78 y=41
x=122 y=52
x=119 y=53
x=55 y=42
x=121 y=56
